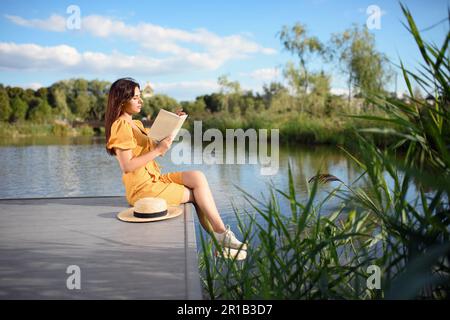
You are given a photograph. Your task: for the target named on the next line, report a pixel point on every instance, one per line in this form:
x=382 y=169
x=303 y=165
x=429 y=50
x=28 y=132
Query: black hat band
x=150 y=215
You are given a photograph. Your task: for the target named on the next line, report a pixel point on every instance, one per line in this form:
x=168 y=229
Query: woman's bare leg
x=200 y=194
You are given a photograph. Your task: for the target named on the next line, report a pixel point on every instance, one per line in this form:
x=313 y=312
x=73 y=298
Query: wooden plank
x=41 y=238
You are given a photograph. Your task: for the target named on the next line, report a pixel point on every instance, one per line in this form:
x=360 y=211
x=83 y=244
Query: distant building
x=147 y=92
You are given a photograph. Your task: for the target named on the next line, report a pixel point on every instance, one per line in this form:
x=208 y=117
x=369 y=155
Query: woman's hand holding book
x=164 y=145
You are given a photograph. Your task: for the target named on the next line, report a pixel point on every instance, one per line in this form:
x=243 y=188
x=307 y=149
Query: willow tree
x=296 y=40
x=355 y=52
x=231 y=91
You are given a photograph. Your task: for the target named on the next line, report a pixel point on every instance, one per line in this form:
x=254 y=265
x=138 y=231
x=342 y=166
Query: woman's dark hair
x=121 y=91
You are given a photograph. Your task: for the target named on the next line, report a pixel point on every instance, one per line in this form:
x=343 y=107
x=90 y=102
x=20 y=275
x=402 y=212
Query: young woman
x=127 y=140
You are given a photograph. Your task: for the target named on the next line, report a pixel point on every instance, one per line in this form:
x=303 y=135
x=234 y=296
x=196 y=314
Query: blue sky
x=182 y=47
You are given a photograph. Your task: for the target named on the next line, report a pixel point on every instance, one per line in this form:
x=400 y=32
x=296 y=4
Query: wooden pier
x=43 y=242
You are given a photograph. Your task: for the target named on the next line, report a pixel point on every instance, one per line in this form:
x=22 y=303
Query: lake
x=80 y=166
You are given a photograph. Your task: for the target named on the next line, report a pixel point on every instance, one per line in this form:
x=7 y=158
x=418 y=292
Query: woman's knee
x=194 y=179
x=200 y=176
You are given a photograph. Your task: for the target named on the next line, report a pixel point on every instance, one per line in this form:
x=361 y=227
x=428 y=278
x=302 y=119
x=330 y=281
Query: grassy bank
x=294 y=128
x=299 y=127
x=28 y=129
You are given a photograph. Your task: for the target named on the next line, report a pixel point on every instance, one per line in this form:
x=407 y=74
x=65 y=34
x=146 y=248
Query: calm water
x=67 y=167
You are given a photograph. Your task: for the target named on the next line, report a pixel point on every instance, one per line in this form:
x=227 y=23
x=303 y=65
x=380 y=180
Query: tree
x=42 y=93
x=231 y=91
x=227 y=86
x=282 y=101
x=19 y=109
x=194 y=107
x=28 y=96
x=271 y=90
x=5 y=108
x=157 y=102
x=366 y=68
x=296 y=40
x=296 y=79
x=99 y=90
x=58 y=101
x=15 y=92
x=247 y=103
x=41 y=113
x=80 y=85
x=214 y=102
x=81 y=104
x=320 y=83
x=98 y=107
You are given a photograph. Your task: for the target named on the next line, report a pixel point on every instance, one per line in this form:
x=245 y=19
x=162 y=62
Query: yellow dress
x=146 y=181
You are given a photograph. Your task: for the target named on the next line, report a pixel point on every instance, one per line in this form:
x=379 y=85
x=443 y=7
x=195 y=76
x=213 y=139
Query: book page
x=165 y=124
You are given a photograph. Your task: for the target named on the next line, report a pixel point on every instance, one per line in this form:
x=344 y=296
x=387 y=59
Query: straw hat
x=149 y=210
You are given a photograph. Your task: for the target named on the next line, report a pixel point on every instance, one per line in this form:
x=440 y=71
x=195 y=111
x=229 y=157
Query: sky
x=182 y=47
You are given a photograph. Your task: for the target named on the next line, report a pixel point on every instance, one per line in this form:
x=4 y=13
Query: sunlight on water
x=57 y=167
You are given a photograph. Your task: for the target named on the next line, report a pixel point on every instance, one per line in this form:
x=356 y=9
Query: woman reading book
x=128 y=141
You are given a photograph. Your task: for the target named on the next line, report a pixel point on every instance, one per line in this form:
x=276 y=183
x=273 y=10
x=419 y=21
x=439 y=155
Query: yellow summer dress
x=146 y=181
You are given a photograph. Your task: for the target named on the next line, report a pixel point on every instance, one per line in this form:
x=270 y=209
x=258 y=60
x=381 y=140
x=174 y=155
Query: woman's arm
x=129 y=164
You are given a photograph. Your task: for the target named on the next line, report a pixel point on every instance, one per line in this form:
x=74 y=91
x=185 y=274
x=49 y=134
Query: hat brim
x=128 y=215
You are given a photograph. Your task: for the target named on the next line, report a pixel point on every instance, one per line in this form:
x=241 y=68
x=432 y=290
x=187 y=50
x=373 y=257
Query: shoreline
x=319 y=134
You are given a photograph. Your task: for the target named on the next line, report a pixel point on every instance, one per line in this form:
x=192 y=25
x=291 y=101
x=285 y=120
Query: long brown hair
x=121 y=91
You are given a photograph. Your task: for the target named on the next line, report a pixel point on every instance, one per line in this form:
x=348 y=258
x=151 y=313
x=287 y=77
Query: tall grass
x=294 y=127
x=303 y=254
x=30 y=129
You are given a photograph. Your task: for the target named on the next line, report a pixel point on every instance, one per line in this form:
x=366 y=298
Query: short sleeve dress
x=146 y=181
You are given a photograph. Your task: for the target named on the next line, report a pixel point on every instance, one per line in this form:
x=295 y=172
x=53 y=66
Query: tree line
x=308 y=91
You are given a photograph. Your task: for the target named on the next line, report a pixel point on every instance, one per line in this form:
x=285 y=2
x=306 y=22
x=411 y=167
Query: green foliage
x=214 y=102
x=19 y=109
x=5 y=108
x=295 y=255
x=419 y=230
x=81 y=104
x=41 y=113
x=24 y=128
x=296 y=40
x=399 y=221
x=320 y=91
x=86 y=130
x=59 y=102
x=152 y=105
x=227 y=86
x=196 y=107
x=60 y=130
x=355 y=51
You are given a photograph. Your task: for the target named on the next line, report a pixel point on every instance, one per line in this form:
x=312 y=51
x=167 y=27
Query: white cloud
x=157 y=38
x=264 y=74
x=33 y=56
x=203 y=85
x=339 y=91
x=187 y=90
x=53 y=23
x=33 y=85
x=63 y=57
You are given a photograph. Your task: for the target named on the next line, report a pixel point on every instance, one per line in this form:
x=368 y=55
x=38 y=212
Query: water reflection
x=58 y=167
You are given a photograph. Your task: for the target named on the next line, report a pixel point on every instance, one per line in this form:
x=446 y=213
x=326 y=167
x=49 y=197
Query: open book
x=165 y=124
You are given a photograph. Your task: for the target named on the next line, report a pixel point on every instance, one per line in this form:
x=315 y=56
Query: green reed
x=398 y=222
